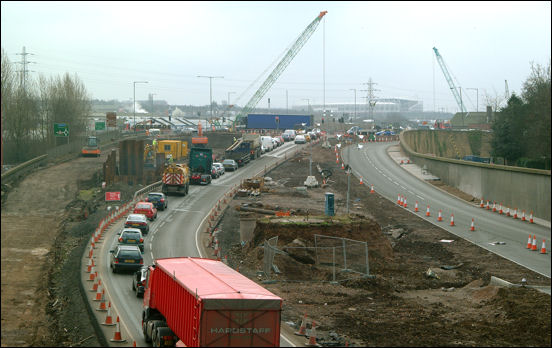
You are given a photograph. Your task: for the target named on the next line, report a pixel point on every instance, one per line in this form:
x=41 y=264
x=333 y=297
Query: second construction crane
x=292 y=52
x=450 y=81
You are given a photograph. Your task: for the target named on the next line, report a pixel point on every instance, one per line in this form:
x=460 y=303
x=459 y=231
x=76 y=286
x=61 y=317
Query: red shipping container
x=206 y=303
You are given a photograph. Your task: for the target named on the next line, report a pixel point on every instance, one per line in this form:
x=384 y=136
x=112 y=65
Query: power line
x=24 y=62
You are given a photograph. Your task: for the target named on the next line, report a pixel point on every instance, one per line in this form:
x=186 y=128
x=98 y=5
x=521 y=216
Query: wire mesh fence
x=331 y=259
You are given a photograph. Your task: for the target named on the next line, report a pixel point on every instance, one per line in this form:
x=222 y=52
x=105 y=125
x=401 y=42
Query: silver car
x=230 y=164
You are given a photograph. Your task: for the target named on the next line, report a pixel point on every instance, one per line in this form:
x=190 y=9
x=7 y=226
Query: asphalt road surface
x=174 y=233
x=376 y=167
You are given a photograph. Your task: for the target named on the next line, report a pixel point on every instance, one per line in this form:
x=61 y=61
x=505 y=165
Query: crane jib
x=299 y=43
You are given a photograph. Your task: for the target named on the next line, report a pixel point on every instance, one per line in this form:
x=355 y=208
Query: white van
x=154 y=131
x=267 y=143
x=291 y=133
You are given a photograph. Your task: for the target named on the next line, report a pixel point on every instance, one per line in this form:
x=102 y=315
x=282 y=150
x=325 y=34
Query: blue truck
x=245 y=149
x=240 y=152
x=277 y=121
x=474 y=158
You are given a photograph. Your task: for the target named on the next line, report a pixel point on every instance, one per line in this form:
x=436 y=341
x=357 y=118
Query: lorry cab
x=92 y=147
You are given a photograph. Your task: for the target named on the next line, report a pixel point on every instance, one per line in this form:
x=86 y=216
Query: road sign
x=111 y=118
x=112 y=196
x=99 y=125
x=61 y=130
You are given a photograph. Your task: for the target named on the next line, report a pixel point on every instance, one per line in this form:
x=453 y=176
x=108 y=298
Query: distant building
x=382 y=106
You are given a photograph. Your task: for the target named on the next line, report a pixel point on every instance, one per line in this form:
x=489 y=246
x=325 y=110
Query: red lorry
x=197 y=302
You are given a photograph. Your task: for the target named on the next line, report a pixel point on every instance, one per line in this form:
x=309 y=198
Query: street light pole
x=135 y=82
x=308 y=101
x=477 y=92
x=354 y=89
x=229 y=97
x=211 y=90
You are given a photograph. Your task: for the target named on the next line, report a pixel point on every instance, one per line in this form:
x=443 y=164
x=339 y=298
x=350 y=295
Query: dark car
x=132 y=236
x=230 y=164
x=139 y=221
x=126 y=258
x=139 y=281
x=286 y=137
x=158 y=199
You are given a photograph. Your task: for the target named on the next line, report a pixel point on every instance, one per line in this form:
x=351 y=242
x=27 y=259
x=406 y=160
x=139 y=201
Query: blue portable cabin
x=277 y=121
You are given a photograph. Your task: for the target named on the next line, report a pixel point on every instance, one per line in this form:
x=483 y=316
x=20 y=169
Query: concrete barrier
x=525 y=188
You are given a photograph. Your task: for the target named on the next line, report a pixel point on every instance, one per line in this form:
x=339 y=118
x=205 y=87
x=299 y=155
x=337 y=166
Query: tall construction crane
x=450 y=81
x=292 y=52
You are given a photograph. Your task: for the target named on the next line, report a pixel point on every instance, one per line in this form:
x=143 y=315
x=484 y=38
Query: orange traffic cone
x=531 y=218
x=92 y=274
x=361 y=180
x=472 y=228
x=543 y=249
x=312 y=336
x=487 y=206
x=108 y=319
x=372 y=189
x=399 y=199
x=102 y=307
x=452 y=219
x=439 y=218
x=523 y=215
x=529 y=242
x=89 y=266
x=337 y=160
x=401 y=203
x=416 y=207
x=515 y=213
x=405 y=205
x=96 y=284
x=500 y=209
x=427 y=212
x=342 y=165
x=98 y=294
x=481 y=205
x=494 y=207
x=117 y=337
x=534 y=246
x=303 y=328
x=507 y=211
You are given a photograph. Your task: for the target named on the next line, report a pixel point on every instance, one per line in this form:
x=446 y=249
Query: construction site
x=378 y=276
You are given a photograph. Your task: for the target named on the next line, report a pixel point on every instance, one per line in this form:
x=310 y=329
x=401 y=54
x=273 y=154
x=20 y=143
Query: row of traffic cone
x=371 y=186
x=532 y=245
x=506 y=211
x=97 y=287
x=401 y=200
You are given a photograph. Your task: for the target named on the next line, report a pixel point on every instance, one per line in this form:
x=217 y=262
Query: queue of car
x=128 y=253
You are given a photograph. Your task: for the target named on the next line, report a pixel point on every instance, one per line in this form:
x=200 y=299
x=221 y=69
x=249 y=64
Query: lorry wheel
x=145 y=331
x=157 y=326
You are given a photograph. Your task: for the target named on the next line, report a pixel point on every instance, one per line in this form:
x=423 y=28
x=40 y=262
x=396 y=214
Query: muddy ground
x=47 y=220
x=398 y=305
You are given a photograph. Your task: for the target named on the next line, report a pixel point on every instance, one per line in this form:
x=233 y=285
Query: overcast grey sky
x=111 y=44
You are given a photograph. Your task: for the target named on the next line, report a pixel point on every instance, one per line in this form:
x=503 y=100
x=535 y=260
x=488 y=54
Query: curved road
x=376 y=167
x=173 y=234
